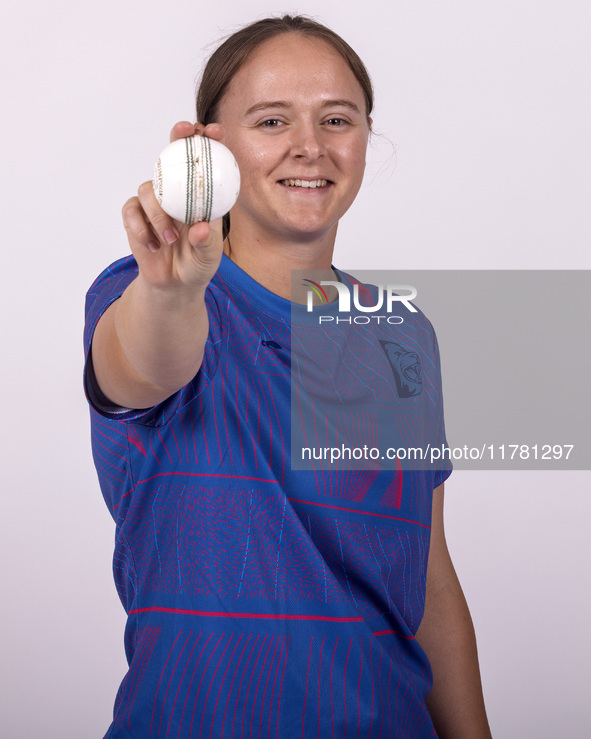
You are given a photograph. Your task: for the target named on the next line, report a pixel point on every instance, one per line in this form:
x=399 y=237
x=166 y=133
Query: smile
x=304 y=183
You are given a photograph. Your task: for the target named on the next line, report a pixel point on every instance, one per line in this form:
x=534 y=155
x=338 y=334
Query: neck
x=270 y=262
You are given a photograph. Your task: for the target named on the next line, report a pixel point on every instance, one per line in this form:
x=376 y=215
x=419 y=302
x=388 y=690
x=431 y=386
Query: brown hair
x=235 y=51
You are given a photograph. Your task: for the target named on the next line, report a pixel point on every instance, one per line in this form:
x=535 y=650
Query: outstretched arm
x=150 y=342
x=456 y=703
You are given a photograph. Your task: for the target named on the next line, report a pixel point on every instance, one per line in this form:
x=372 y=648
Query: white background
x=481 y=160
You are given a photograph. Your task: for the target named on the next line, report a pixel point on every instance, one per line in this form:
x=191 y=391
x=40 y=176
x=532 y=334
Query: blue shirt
x=265 y=601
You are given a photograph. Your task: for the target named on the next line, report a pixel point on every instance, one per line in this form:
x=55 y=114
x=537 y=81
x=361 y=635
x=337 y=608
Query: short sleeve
x=108 y=287
x=440 y=475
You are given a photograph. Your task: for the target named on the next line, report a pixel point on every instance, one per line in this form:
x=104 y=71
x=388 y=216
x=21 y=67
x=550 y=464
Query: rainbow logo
x=317 y=289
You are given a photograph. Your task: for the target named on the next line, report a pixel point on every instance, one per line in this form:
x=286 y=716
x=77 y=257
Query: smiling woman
x=287 y=602
x=293 y=113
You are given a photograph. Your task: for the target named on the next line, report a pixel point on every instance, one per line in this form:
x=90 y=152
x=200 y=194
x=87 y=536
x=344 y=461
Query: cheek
x=355 y=164
x=352 y=155
x=254 y=160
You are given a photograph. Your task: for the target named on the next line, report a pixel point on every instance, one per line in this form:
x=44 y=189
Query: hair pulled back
x=235 y=51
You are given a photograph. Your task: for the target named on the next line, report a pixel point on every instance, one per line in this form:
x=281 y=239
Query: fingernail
x=170 y=236
x=153 y=246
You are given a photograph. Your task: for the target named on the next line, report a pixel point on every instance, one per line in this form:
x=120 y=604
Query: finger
x=163 y=225
x=206 y=237
x=199 y=234
x=182 y=130
x=138 y=229
x=213 y=131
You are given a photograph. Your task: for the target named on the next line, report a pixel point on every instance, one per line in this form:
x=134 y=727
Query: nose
x=306 y=142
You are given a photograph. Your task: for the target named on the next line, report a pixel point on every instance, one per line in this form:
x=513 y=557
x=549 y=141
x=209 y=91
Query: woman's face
x=294 y=117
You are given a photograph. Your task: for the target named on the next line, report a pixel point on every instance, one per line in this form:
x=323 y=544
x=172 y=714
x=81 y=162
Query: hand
x=171 y=254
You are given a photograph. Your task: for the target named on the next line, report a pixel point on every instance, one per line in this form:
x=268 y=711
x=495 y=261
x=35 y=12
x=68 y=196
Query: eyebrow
x=338 y=102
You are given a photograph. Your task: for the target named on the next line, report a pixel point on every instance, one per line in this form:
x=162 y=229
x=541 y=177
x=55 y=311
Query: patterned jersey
x=264 y=600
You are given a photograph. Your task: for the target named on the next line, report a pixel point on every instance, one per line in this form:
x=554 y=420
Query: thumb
x=204 y=235
x=205 y=240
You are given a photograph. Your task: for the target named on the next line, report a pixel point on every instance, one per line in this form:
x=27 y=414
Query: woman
x=257 y=604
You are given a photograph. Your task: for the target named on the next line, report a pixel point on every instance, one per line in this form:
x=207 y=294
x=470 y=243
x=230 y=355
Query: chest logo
x=406 y=367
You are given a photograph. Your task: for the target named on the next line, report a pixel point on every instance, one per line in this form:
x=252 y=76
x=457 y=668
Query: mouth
x=306 y=184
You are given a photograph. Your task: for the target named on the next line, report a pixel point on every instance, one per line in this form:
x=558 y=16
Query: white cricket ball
x=196 y=179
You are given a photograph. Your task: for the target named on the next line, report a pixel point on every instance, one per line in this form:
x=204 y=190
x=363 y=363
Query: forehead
x=294 y=68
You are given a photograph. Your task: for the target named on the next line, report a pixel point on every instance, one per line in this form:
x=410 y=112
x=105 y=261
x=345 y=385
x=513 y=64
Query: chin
x=311 y=233
x=306 y=223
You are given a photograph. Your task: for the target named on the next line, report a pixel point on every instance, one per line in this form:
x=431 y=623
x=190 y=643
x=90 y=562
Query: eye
x=336 y=122
x=271 y=123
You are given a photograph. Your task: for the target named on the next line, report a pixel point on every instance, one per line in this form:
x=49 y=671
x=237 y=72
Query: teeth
x=305 y=183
